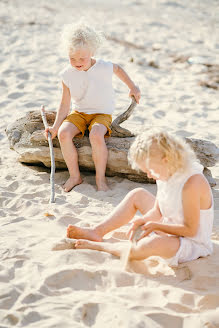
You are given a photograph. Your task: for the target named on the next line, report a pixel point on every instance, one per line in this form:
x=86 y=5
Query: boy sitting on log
x=88 y=82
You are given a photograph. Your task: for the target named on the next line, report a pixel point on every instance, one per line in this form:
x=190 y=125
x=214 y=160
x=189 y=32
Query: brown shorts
x=84 y=121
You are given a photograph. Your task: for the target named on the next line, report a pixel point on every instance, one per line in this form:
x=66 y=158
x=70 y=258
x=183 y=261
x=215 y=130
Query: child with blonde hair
x=88 y=82
x=177 y=224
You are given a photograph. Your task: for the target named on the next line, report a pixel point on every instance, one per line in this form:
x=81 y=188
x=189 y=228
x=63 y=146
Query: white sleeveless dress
x=169 y=195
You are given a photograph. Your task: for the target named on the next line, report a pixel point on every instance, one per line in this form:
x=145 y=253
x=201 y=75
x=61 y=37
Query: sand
x=81 y=288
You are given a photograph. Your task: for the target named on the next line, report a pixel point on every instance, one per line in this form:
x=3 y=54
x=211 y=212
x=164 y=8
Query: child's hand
x=52 y=131
x=147 y=228
x=135 y=224
x=135 y=91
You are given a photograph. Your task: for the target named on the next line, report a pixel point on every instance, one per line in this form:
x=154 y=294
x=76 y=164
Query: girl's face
x=156 y=167
x=81 y=59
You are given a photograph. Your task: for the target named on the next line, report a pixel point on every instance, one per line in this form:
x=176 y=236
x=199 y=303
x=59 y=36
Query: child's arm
x=62 y=112
x=191 y=208
x=153 y=214
x=123 y=76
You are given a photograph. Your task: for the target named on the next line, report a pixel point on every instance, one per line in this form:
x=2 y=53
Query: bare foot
x=104 y=247
x=63 y=244
x=102 y=185
x=82 y=233
x=87 y=244
x=71 y=183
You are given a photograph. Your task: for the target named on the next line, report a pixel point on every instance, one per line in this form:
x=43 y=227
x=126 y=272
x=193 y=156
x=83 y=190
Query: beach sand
x=81 y=288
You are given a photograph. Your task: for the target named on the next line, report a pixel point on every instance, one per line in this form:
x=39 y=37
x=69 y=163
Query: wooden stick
x=124 y=116
x=117 y=130
x=52 y=175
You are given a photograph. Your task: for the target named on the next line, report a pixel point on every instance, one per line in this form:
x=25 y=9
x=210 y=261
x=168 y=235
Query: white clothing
x=169 y=195
x=91 y=91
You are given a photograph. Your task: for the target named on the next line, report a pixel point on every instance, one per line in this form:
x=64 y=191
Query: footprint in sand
x=87 y=313
x=83 y=202
x=31 y=298
x=15 y=95
x=31 y=104
x=9 y=296
x=3 y=83
x=13 y=186
x=123 y=279
x=184 y=133
x=8 y=72
x=67 y=219
x=8 y=177
x=185 y=97
x=4 y=103
x=23 y=76
x=20 y=86
x=159 y=114
x=182 y=124
x=183 y=273
x=183 y=109
x=11 y=319
x=77 y=279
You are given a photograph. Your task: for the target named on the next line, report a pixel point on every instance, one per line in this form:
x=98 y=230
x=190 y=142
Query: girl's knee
x=135 y=193
x=141 y=195
x=140 y=199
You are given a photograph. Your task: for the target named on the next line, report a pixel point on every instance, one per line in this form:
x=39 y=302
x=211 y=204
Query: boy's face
x=81 y=59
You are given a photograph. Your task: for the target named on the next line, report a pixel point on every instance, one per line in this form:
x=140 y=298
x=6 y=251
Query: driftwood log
x=26 y=136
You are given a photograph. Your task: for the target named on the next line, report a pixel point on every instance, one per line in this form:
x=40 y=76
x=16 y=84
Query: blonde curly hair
x=76 y=36
x=160 y=143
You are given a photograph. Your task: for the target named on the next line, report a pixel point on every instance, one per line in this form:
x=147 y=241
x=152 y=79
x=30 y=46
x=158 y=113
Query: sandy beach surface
x=152 y=41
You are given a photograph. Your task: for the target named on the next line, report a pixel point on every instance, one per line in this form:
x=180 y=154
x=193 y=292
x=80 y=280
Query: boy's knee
x=96 y=136
x=64 y=134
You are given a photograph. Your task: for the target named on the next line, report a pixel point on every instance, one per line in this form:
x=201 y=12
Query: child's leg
x=137 y=199
x=66 y=133
x=164 y=246
x=99 y=154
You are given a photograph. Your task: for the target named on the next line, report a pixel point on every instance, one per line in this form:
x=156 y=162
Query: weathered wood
x=27 y=139
x=117 y=130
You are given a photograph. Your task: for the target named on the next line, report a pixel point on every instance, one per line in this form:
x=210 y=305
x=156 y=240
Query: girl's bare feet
x=114 y=249
x=71 y=183
x=87 y=244
x=82 y=233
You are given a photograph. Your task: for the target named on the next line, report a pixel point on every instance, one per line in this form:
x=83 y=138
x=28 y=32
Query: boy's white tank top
x=169 y=195
x=91 y=91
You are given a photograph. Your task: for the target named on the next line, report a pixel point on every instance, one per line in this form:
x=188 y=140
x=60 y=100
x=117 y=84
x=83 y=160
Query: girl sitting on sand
x=88 y=82
x=177 y=224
